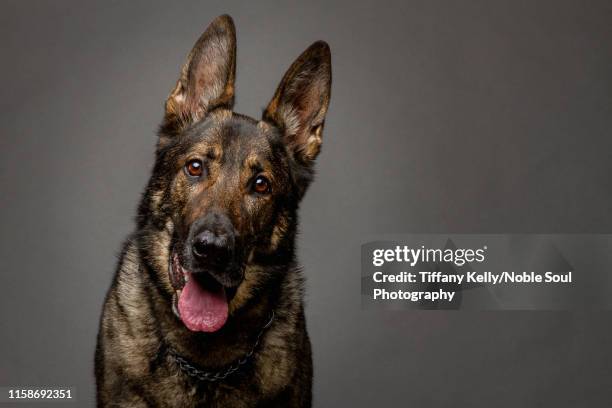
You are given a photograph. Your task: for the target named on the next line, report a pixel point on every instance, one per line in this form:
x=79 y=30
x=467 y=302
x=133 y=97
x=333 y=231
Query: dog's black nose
x=211 y=248
x=213 y=244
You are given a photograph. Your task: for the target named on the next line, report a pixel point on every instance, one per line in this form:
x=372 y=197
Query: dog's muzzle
x=204 y=288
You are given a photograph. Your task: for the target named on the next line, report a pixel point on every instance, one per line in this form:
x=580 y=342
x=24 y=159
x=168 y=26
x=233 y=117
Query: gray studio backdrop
x=472 y=116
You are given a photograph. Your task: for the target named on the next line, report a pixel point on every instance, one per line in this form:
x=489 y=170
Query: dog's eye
x=194 y=168
x=261 y=185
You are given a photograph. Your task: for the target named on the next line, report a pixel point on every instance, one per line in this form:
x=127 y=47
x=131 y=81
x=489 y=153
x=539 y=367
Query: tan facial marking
x=252 y=276
x=279 y=231
x=251 y=161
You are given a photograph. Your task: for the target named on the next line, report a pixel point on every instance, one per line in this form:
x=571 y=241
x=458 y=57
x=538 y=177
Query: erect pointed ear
x=207 y=78
x=300 y=103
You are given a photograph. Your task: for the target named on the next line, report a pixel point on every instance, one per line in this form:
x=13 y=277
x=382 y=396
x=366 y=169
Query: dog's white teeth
x=186 y=277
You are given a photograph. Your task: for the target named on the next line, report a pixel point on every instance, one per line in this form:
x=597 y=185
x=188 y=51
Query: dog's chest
x=173 y=388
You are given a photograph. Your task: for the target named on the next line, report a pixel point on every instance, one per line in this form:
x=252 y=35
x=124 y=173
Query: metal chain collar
x=213 y=376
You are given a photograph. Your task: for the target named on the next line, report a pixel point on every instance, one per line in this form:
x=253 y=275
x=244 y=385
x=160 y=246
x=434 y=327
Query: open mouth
x=200 y=301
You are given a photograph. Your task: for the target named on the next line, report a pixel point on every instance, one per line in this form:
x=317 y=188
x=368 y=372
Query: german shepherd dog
x=206 y=307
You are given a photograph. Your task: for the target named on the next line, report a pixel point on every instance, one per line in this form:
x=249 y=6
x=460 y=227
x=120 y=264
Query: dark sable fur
x=137 y=324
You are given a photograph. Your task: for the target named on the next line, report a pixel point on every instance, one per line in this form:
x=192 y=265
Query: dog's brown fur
x=138 y=326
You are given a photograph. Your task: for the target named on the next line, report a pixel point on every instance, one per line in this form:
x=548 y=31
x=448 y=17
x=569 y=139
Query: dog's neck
x=218 y=374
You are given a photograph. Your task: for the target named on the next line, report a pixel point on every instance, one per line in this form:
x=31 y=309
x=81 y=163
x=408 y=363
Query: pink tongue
x=202 y=309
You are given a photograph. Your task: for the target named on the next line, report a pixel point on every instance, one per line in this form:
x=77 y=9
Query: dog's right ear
x=207 y=78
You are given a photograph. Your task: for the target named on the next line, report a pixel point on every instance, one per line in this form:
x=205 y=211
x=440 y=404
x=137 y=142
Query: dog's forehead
x=231 y=135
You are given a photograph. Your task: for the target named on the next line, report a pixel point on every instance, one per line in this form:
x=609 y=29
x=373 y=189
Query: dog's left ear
x=300 y=103
x=207 y=78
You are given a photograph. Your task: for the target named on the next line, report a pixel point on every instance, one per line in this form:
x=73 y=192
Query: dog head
x=222 y=199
